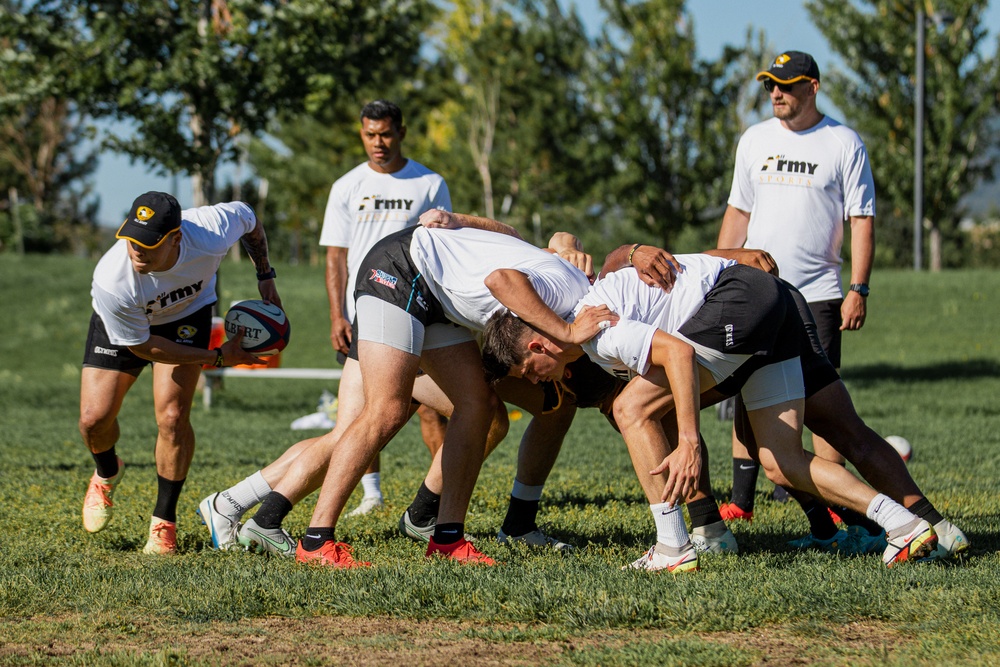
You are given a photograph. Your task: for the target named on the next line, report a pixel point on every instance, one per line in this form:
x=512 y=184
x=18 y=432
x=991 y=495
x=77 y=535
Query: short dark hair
x=381 y=109
x=503 y=346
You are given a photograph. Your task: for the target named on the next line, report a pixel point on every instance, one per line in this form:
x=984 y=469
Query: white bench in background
x=214 y=376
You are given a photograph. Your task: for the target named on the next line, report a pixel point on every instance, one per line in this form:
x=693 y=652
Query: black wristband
x=267 y=275
x=219 y=361
x=632 y=252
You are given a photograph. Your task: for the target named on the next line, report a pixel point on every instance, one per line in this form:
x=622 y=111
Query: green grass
x=926 y=366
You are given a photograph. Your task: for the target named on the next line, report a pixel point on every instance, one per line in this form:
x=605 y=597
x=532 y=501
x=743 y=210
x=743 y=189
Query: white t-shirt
x=624 y=348
x=800 y=188
x=365 y=206
x=129 y=302
x=456 y=262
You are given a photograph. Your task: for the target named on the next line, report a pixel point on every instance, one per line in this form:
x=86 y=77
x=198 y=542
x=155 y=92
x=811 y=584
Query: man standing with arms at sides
x=381 y=196
x=153 y=293
x=798 y=177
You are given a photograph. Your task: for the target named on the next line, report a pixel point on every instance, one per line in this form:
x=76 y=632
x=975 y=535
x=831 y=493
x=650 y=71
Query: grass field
x=926 y=366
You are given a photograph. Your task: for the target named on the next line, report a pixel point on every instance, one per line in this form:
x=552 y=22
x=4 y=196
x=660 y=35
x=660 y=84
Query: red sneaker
x=463 y=551
x=733 y=512
x=331 y=554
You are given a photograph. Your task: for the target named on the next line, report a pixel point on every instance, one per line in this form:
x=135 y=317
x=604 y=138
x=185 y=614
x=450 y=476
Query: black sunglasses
x=771 y=84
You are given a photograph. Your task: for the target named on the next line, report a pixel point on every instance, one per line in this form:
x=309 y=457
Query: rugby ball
x=901 y=445
x=267 y=329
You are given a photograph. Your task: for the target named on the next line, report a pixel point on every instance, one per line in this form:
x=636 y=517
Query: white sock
x=889 y=514
x=525 y=492
x=236 y=500
x=372 y=484
x=670 y=528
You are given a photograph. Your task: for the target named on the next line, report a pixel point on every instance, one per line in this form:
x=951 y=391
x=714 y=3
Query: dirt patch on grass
x=365 y=642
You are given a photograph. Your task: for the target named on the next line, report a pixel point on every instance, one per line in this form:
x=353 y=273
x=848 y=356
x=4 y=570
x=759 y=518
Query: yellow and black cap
x=790 y=67
x=153 y=215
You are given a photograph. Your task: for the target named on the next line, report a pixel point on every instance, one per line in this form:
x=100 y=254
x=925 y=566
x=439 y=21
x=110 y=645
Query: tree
x=876 y=39
x=305 y=153
x=194 y=76
x=672 y=121
x=41 y=132
x=521 y=117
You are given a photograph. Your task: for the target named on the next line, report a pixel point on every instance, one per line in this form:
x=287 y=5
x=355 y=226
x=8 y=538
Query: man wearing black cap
x=152 y=295
x=798 y=178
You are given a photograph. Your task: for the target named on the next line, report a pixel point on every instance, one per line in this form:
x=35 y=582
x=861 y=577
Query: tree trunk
x=935 y=249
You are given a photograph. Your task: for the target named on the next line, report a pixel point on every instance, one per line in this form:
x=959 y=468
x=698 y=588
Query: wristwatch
x=860 y=288
x=267 y=275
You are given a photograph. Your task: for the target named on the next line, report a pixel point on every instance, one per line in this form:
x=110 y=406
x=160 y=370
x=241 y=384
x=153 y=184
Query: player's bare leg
x=432 y=428
x=101 y=394
x=787 y=464
x=385 y=410
x=456 y=369
x=173 y=392
x=537 y=453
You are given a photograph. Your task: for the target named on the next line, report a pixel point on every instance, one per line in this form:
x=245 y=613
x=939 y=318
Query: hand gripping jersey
x=624 y=349
x=456 y=262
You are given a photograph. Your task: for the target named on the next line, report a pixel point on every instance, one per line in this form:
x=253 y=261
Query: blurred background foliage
x=620 y=137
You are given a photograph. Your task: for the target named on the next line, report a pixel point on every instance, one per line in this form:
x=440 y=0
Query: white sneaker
x=951 y=541
x=368 y=504
x=715 y=538
x=535 y=538
x=220 y=527
x=916 y=543
x=317 y=420
x=661 y=557
x=266 y=540
x=416 y=533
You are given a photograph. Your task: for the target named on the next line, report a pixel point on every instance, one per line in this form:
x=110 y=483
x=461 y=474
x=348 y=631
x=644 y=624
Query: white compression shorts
x=773 y=384
x=388 y=324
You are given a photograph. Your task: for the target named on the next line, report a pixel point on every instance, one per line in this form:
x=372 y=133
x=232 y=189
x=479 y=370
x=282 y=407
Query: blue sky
x=716 y=23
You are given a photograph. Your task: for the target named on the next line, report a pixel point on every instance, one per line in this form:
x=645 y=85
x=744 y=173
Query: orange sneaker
x=463 y=551
x=834 y=516
x=331 y=554
x=733 y=512
x=162 y=538
x=97 y=506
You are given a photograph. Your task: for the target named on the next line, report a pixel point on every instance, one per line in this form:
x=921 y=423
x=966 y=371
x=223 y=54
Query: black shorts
x=194 y=330
x=590 y=384
x=817 y=370
x=748 y=311
x=387 y=273
x=828 y=321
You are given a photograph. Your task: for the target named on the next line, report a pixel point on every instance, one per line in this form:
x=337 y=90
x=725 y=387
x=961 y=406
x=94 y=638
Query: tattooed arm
x=255 y=243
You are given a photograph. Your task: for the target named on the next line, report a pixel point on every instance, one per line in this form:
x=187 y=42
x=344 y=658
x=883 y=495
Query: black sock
x=272 y=510
x=821 y=525
x=520 y=519
x=926 y=511
x=424 y=508
x=448 y=533
x=852 y=518
x=744 y=483
x=704 y=512
x=315 y=537
x=107 y=463
x=781 y=494
x=167 y=494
